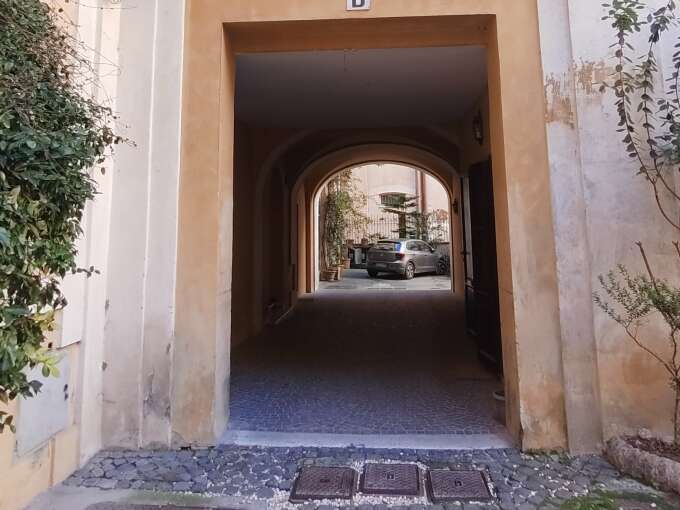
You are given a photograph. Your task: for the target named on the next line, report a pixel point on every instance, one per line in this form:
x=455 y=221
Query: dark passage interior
x=307 y=358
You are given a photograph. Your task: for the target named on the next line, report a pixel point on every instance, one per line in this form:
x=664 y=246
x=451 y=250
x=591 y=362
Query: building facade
x=382 y=186
x=213 y=183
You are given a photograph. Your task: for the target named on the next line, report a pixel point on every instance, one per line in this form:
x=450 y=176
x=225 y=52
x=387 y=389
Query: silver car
x=405 y=257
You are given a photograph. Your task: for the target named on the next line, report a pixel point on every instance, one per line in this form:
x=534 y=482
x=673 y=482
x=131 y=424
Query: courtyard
x=358 y=279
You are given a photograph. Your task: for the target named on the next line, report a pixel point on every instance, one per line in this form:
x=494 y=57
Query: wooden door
x=481 y=280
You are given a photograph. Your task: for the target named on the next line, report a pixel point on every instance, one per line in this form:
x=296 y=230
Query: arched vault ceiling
x=359 y=88
x=320 y=143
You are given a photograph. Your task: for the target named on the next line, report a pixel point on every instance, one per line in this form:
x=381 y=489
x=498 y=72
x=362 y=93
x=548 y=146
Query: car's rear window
x=387 y=246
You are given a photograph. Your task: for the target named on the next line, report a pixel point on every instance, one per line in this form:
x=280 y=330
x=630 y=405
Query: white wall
x=378 y=178
x=140 y=297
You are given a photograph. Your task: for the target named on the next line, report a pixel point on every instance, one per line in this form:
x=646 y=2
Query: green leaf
x=50 y=136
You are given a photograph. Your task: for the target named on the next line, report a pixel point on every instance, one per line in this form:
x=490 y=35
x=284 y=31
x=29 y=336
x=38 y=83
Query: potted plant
x=340 y=208
x=651 y=138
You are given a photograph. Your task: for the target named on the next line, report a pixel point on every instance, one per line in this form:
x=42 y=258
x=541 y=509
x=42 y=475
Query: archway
x=216 y=33
x=256 y=363
x=316 y=174
x=384 y=201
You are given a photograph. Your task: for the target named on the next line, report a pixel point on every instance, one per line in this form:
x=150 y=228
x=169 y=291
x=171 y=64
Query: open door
x=481 y=268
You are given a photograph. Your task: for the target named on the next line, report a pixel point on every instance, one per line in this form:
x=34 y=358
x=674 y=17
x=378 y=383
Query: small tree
x=649 y=122
x=51 y=133
x=412 y=222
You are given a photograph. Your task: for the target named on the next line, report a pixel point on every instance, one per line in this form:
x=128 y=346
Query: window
x=392 y=199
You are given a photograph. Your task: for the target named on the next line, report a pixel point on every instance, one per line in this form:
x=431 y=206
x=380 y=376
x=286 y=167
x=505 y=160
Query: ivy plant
x=52 y=134
x=342 y=204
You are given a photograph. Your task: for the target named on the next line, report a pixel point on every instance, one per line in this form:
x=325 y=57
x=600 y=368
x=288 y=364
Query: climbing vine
x=51 y=134
x=341 y=208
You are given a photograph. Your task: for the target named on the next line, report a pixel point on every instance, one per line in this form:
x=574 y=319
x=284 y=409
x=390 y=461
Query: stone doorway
x=208 y=295
x=316 y=359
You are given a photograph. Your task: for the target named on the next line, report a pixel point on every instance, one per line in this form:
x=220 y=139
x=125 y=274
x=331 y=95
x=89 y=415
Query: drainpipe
x=419 y=190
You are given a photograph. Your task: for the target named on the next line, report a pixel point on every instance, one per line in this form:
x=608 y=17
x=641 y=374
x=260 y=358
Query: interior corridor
x=370 y=362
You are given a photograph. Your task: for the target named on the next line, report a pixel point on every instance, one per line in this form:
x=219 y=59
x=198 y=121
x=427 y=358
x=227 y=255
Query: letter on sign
x=358 y=5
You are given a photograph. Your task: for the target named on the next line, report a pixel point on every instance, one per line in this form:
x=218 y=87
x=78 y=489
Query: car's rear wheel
x=372 y=273
x=410 y=271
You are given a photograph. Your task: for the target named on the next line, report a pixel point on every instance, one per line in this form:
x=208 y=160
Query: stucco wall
x=601 y=209
x=376 y=179
x=123 y=327
x=143 y=227
x=585 y=192
x=78 y=339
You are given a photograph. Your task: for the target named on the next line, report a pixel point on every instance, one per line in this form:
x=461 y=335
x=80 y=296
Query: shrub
x=51 y=134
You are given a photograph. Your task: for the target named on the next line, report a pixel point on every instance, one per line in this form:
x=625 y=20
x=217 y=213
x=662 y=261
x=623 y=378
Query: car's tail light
x=399 y=256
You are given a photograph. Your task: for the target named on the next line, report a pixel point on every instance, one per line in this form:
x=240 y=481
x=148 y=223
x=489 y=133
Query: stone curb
x=654 y=469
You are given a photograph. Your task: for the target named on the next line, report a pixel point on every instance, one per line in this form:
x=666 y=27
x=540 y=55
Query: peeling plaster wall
x=128 y=388
x=621 y=211
x=601 y=208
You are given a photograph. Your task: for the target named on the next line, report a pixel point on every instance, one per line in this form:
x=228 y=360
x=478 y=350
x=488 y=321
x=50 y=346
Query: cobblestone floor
x=365 y=363
x=519 y=481
x=358 y=279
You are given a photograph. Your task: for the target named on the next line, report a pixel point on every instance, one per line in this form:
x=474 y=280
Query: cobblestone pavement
x=358 y=279
x=519 y=481
x=421 y=402
x=365 y=363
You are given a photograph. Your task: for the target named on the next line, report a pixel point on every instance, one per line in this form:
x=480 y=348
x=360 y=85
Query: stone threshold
x=388 y=441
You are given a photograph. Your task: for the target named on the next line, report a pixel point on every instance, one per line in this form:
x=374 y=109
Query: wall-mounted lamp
x=454 y=206
x=478 y=128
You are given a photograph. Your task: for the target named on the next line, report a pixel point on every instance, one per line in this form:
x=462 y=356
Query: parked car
x=405 y=257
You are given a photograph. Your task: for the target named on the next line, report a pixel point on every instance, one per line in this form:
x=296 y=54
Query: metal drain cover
x=131 y=506
x=319 y=482
x=445 y=485
x=391 y=479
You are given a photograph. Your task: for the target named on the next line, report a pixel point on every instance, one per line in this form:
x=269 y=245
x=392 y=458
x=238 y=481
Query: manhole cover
x=445 y=485
x=391 y=479
x=621 y=504
x=130 y=506
x=318 y=482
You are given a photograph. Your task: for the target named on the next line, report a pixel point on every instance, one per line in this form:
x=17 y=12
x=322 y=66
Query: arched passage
x=209 y=293
x=284 y=271
x=313 y=178
x=392 y=175
x=301 y=161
